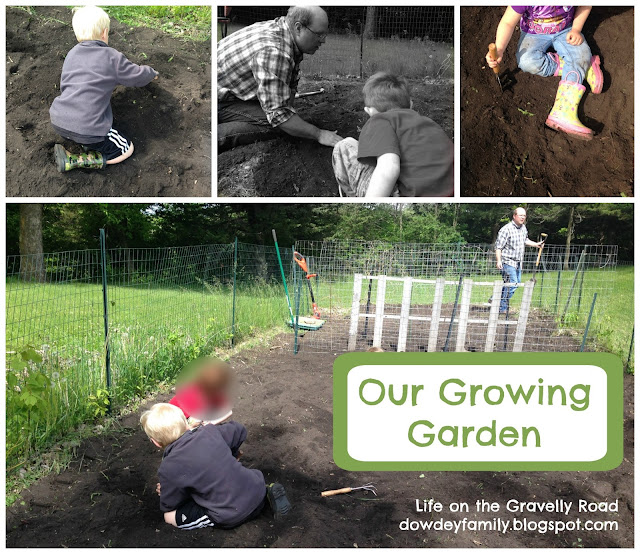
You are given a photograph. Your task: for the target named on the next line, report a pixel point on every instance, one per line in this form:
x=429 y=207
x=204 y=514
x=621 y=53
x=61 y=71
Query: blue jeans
x=533 y=58
x=510 y=274
x=241 y=122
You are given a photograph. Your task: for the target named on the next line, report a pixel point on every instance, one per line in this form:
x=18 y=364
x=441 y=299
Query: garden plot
x=107 y=495
x=169 y=120
x=289 y=166
x=506 y=149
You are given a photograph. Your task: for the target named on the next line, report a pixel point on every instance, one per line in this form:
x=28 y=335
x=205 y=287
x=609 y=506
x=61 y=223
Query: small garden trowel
x=493 y=52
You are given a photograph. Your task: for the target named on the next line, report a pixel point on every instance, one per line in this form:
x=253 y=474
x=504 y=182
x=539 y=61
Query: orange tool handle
x=337 y=491
x=301 y=261
x=493 y=53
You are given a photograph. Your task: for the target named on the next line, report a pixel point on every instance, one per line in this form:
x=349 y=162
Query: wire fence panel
x=413 y=41
x=164 y=307
x=458 y=285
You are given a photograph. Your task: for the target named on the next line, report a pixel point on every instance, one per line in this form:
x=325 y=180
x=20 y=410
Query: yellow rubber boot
x=564 y=114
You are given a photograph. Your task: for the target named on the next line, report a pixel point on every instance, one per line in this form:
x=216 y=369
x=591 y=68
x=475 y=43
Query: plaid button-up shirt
x=261 y=62
x=511 y=239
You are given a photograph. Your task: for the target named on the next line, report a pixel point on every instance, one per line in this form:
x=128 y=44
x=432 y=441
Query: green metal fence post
x=298 y=289
x=626 y=366
x=233 y=309
x=555 y=309
x=586 y=329
x=105 y=303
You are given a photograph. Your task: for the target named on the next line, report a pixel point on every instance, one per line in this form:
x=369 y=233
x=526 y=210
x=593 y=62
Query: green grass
x=189 y=22
x=154 y=332
x=339 y=56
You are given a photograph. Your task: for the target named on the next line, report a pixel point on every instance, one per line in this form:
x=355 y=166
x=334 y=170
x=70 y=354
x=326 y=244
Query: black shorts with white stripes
x=113 y=146
x=192 y=516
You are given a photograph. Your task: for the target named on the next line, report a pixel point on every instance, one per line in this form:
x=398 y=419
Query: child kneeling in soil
x=560 y=28
x=399 y=152
x=202 y=483
x=82 y=112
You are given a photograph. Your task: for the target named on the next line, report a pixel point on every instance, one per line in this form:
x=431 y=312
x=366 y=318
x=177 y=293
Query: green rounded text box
x=609 y=363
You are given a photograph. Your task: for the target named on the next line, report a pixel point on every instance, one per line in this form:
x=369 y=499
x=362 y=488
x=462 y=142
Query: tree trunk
x=31 y=260
x=569 y=237
x=370 y=23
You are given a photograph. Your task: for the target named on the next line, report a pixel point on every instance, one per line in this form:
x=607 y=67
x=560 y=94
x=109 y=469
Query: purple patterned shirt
x=545 y=20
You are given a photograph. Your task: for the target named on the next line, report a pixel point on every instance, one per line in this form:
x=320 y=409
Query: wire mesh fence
x=362 y=292
x=162 y=307
x=413 y=41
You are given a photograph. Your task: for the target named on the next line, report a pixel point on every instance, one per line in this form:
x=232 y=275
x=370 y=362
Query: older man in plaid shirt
x=258 y=69
x=512 y=239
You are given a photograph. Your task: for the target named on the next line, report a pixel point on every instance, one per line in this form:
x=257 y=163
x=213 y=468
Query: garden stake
x=284 y=281
x=573 y=284
x=544 y=239
x=586 y=330
x=493 y=52
x=367 y=487
x=453 y=314
x=506 y=327
x=366 y=319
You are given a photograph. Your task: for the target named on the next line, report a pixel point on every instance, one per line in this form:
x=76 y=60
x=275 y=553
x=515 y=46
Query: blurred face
x=310 y=37
x=520 y=216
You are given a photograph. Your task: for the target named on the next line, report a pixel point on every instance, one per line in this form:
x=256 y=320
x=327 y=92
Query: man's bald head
x=309 y=26
x=307 y=15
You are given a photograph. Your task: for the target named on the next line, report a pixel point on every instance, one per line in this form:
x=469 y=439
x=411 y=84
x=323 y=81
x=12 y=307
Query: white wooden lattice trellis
x=461 y=317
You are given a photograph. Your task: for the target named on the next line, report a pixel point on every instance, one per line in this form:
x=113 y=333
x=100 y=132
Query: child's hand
x=491 y=62
x=158 y=489
x=156 y=77
x=575 y=38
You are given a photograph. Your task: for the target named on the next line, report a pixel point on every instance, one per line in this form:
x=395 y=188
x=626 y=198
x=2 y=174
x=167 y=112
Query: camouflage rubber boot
x=66 y=161
x=594 y=75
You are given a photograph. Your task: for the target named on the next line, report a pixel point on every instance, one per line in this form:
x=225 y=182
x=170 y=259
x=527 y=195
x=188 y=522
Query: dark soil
x=169 y=120
x=107 y=498
x=289 y=166
x=509 y=153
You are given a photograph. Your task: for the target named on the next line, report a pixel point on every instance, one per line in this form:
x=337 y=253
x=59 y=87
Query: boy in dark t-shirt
x=399 y=153
x=202 y=483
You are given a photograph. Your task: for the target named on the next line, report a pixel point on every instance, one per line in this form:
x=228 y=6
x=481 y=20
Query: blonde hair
x=165 y=423
x=89 y=22
x=375 y=349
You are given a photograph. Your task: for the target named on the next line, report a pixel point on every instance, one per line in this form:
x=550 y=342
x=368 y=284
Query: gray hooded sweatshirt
x=90 y=72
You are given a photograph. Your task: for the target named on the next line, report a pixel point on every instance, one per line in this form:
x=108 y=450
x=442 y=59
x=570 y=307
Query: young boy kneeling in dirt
x=400 y=152
x=82 y=113
x=202 y=483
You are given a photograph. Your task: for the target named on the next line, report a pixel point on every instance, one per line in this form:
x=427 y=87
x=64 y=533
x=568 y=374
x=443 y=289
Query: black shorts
x=113 y=146
x=193 y=516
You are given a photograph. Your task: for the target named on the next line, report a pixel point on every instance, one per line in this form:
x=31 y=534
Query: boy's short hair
x=165 y=423
x=385 y=91
x=89 y=22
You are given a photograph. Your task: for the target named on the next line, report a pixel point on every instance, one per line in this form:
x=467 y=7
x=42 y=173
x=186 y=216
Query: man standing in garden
x=512 y=239
x=258 y=73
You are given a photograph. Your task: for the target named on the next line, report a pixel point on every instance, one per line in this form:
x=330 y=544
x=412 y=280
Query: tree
x=370 y=24
x=569 y=237
x=32 y=259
